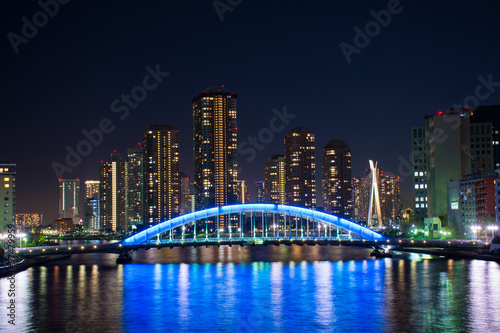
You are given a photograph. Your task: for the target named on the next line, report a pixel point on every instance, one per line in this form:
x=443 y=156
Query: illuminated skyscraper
x=91 y=206
x=300 y=168
x=161 y=174
x=274 y=179
x=91 y=189
x=113 y=194
x=215 y=148
x=261 y=192
x=8 y=188
x=69 y=194
x=336 y=180
x=187 y=194
x=135 y=174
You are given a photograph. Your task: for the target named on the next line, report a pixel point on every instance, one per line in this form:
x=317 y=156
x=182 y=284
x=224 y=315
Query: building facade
x=261 y=191
x=419 y=161
x=488 y=114
x=91 y=206
x=113 y=194
x=187 y=194
x=215 y=148
x=8 y=188
x=300 y=168
x=135 y=190
x=451 y=144
x=28 y=221
x=161 y=174
x=274 y=179
x=472 y=201
x=336 y=178
x=69 y=199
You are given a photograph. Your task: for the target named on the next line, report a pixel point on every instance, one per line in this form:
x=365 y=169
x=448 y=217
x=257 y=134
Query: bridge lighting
x=82 y=247
x=43 y=250
x=69 y=248
x=95 y=247
x=57 y=249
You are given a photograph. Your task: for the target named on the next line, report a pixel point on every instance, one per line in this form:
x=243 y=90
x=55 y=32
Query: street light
x=475 y=230
x=493 y=228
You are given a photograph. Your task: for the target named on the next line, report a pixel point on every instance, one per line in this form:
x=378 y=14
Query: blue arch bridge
x=248 y=224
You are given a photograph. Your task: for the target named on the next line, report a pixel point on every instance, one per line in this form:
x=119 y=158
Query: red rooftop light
x=439 y=113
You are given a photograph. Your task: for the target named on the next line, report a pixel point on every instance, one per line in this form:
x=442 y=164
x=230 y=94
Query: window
x=454 y=205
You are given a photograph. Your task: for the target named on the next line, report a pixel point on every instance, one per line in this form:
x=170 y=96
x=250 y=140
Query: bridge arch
x=304 y=213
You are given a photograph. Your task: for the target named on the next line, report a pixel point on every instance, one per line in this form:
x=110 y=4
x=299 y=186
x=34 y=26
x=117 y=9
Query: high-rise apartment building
x=274 y=179
x=92 y=189
x=8 y=188
x=419 y=156
x=300 y=168
x=446 y=155
x=161 y=174
x=91 y=206
x=336 y=178
x=135 y=175
x=113 y=194
x=484 y=145
x=215 y=148
x=261 y=192
x=69 y=195
x=187 y=194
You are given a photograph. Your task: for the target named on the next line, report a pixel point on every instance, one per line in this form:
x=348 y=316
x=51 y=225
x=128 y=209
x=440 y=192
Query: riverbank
x=27 y=263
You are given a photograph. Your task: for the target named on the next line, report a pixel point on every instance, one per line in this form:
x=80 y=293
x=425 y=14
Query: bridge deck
x=395 y=244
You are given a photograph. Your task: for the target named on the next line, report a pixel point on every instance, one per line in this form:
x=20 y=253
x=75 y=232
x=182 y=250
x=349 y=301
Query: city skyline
x=384 y=78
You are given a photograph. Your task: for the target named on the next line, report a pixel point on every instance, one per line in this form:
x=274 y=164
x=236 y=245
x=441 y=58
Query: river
x=255 y=289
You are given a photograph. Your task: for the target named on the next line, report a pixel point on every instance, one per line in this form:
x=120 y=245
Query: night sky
x=274 y=54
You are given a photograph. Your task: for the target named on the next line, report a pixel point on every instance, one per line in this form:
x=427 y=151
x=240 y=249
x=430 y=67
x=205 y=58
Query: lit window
x=454 y=205
x=7 y=185
x=6 y=179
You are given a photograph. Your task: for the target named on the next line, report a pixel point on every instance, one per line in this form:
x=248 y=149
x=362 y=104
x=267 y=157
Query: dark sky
x=64 y=79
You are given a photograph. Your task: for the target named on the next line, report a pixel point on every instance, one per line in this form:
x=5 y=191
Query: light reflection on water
x=256 y=289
